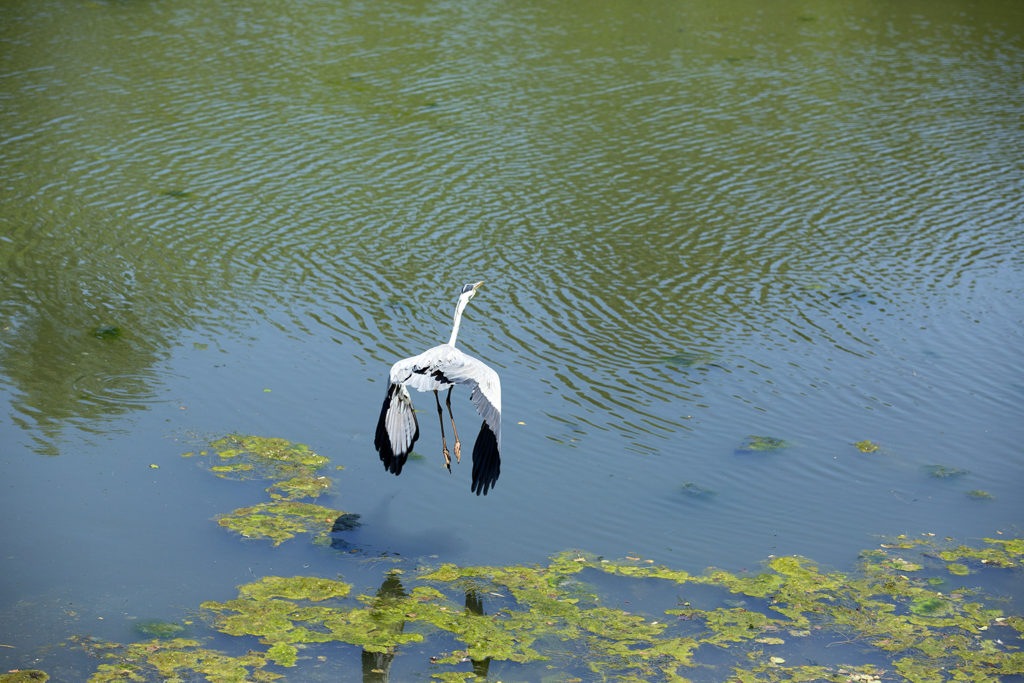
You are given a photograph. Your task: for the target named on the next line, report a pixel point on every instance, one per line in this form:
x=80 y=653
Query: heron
x=436 y=369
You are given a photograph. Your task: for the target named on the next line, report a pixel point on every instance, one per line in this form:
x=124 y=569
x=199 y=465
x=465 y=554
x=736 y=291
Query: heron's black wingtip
x=486 y=461
x=392 y=463
x=382 y=442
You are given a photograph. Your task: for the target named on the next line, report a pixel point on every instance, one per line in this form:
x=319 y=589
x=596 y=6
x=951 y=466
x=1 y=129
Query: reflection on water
x=377 y=665
x=697 y=222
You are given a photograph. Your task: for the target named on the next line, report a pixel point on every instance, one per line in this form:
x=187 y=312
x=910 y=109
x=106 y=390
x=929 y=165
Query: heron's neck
x=459 y=307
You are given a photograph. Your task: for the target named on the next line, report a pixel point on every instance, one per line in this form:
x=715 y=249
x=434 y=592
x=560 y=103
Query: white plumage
x=443 y=367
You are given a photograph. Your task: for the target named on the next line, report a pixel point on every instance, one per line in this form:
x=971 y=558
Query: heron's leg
x=444 y=444
x=458 y=446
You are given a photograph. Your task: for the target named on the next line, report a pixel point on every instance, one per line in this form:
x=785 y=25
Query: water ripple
x=708 y=196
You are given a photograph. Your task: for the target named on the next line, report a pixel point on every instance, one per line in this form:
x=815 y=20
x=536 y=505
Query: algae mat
x=912 y=609
x=908 y=612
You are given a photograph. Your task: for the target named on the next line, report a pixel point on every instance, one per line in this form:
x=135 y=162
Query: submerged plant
x=762 y=443
x=157 y=628
x=107 y=331
x=944 y=472
x=696 y=491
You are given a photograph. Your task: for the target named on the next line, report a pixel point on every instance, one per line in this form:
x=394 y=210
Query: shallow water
x=695 y=224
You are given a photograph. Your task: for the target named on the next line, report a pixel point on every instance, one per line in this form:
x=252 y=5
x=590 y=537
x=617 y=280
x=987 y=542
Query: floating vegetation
x=24 y=676
x=294 y=466
x=280 y=520
x=1001 y=553
x=155 y=628
x=299 y=487
x=978 y=494
x=551 y=617
x=762 y=444
x=249 y=457
x=172 y=660
x=867 y=446
x=943 y=472
x=299 y=587
x=895 y=611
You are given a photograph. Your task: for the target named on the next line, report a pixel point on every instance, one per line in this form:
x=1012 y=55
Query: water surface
x=695 y=223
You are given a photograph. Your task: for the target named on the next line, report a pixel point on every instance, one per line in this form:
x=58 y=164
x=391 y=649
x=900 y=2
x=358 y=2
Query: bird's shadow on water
x=381 y=532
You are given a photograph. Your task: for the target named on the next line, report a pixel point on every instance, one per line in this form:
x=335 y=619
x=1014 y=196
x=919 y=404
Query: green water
x=699 y=225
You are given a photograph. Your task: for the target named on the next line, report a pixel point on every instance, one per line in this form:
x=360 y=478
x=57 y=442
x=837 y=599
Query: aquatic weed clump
x=173 y=660
x=158 y=628
x=763 y=444
x=867 y=446
x=260 y=457
x=280 y=520
x=553 y=619
x=546 y=618
x=24 y=676
x=293 y=467
x=897 y=616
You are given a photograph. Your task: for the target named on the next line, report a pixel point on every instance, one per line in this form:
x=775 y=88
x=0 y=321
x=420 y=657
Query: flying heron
x=437 y=369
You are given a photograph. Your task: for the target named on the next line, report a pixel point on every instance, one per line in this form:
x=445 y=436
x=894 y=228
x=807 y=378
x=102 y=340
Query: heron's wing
x=443 y=366
x=486 y=461
x=397 y=429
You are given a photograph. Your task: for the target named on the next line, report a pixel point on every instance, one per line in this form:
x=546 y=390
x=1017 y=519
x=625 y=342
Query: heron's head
x=469 y=291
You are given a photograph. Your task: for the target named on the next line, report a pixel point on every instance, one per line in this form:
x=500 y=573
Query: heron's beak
x=476 y=286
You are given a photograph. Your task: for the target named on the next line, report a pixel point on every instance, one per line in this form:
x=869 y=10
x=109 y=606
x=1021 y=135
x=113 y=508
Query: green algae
x=944 y=472
x=298 y=587
x=156 y=628
x=107 y=331
x=299 y=487
x=997 y=552
x=549 y=616
x=280 y=520
x=867 y=446
x=294 y=468
x=284 y=614
x=762 y=444
x=247 y=457
x=552 y=618
x=172 y=660
x=24 y=676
